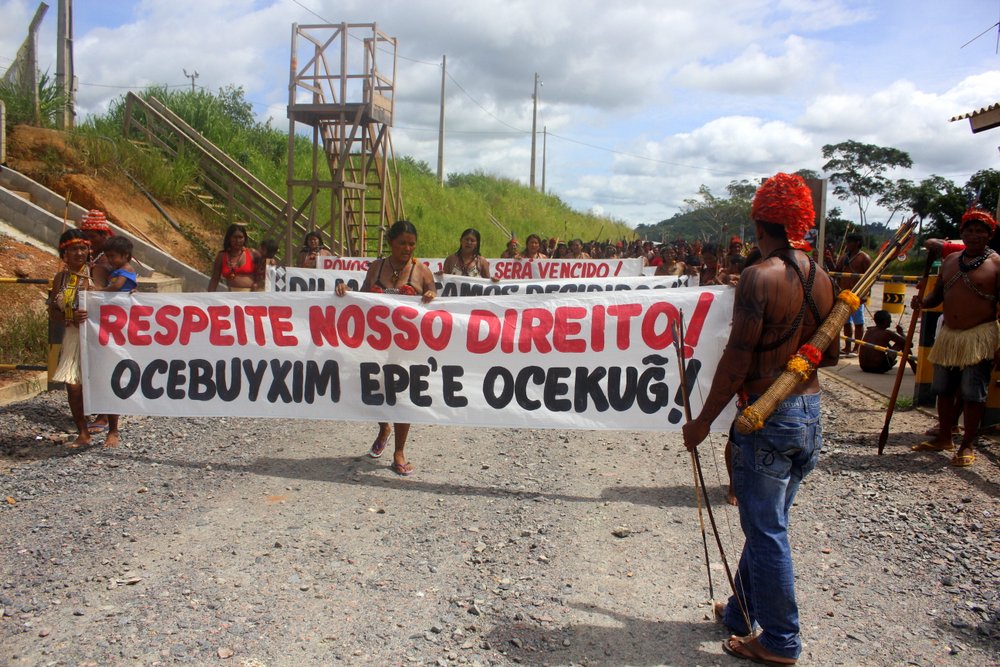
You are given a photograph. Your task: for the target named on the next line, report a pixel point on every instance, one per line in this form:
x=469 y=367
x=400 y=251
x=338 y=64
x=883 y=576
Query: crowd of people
x=784 y=295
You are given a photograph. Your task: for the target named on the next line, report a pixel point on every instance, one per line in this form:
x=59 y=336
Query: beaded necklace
x=965 y=269
x=395 y=271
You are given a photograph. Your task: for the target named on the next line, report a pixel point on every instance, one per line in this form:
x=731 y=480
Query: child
x=268 y=250
x=122 y=278
x=64 y=302
x=118 y=252
x=873 y=361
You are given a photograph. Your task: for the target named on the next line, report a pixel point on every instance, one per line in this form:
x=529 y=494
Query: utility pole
x=441 y=125
x=192 y=77
x=534 y=131
x=65 y=80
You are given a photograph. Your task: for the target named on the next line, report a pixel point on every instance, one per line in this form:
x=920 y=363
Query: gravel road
x=267 y=542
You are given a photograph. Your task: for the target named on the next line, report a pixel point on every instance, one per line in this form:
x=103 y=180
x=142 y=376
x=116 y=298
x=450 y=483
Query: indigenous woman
x=669 y=265
x=467 y=261
x=65 y=303
x=399 y=273
x=312 y=249
x=236 y=262
x=576 y=250
x=533 y=247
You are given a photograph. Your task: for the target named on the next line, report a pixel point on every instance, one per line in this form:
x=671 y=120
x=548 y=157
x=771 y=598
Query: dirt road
x=279 y=543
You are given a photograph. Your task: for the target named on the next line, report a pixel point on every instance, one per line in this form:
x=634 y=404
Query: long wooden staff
x=66 y=211
x=803 y=364
x=904 y=355
x=695 y=463
x=700 y=480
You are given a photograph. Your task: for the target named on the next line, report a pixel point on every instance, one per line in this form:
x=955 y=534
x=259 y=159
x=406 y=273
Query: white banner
x=515 y=269
x=570 y=361
x=281 y=279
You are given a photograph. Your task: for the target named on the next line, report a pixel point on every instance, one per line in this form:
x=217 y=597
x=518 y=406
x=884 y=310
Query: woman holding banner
x=467 y=261
x=236 y=262
x=399 y=273
x=312 y=249
x=533 y=247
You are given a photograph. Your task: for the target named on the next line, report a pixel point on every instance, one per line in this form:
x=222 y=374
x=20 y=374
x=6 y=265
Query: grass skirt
x=958 y=348
x=68 y=368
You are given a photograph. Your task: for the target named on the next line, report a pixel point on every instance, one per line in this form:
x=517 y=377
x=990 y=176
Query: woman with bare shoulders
x=466 y=261
x=399 y=273
x=236 y=262
x=312 y=249
x=670 y=265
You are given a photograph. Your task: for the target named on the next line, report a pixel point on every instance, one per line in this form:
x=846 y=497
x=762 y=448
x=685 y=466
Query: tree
x=984 y=186
x=858 y=170
x=921 y=197
x=896 y=197
x=946 y=211
x=716 y=216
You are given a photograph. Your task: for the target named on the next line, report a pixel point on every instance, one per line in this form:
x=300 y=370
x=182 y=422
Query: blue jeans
x=768 y=466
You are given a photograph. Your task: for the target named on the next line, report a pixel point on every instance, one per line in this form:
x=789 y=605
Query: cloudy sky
x=643 y=100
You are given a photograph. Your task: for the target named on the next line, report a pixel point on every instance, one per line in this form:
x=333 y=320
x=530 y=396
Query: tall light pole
x=192 y=77
x=65 y=80
x=534 y=131
x=441 y=125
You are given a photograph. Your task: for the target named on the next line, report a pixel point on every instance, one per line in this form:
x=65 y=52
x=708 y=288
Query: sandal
x=749 y=648
x=931 y=446
x=404 y=469
x=378 y=447
x=963 y=460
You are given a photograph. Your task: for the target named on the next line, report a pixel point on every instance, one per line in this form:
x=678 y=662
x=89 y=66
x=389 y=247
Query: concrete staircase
x=37 y=212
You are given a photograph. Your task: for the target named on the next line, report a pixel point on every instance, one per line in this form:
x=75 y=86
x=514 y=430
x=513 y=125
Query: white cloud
x=754 y=71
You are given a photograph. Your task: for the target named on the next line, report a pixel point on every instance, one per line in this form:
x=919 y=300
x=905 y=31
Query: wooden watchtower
x=342 y=85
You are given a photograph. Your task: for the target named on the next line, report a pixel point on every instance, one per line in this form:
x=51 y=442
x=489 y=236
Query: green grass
x=904 y=403
x=440 y=213
x=20 y=105
x=24 y=338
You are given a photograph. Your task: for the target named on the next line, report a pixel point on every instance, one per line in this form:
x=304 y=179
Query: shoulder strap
x=807 y=300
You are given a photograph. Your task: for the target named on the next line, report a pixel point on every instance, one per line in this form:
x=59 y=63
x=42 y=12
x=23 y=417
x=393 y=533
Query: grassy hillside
x=440 y=213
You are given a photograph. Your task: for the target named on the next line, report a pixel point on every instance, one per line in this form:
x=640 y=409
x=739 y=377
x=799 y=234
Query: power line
x=134 y=87
x=488 y=112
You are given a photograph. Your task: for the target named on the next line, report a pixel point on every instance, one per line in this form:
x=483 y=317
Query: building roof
x=982 y=119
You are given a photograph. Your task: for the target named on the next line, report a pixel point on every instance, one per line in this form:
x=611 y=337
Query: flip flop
x=749 y=648
x=404 y=469
x=963 y=460
x=378 y=447
x=96 y=428
x=930 y=446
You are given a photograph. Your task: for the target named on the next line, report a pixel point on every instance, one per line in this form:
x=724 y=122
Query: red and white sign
x=602 y=360
x=515 y=269
x=281 y=279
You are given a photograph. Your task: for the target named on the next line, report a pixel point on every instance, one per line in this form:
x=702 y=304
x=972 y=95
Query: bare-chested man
x=965 y=351
x=780 y=302
x=854 y=260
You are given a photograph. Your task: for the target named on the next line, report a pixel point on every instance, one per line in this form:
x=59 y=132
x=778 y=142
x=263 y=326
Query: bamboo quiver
x=800 y=368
